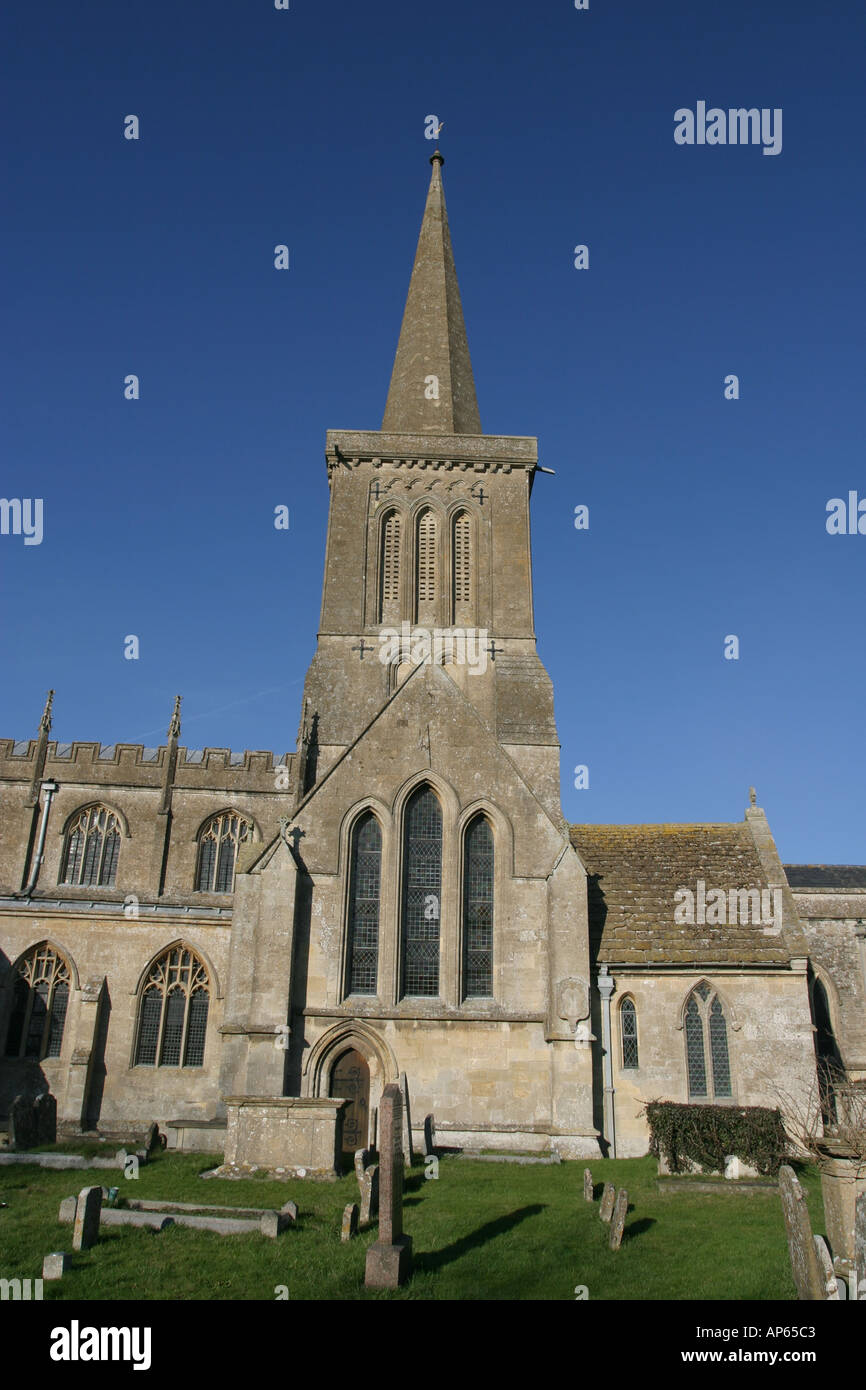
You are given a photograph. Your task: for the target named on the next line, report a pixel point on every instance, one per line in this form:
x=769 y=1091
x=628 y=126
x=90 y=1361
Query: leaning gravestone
x=860 y=1245
x=429 y=1136
x=22 y=1123
x=408 y=1152
x=370 y=1195
x=588 y=1189
x=67 y=1209
x=153 y=1139
x=349 y=1227
x=805 y=1265
x=389 y=1261
x=45 y=1118
x=617 y=1224
x=605 y=1211
x=89 y=1210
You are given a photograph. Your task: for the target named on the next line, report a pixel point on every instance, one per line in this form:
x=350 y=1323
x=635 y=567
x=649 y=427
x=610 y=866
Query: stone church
x=247 y=947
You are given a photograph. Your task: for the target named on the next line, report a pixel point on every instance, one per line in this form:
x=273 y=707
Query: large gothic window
x=425 y=586
x=218 y=848
x=628 y=1033
x=172 y=1016
x=364 y=884
x=462 y=569
x=389 y=569
x=422 y=879
x=92 y=847
x=478 y=910
x=40 y=997
x=706 y=1031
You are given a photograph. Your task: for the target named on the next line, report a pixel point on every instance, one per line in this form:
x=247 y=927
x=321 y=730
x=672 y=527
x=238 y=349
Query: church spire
x=432 y=390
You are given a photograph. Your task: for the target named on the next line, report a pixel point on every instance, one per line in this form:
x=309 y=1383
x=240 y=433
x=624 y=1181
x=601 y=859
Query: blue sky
x=707 y=516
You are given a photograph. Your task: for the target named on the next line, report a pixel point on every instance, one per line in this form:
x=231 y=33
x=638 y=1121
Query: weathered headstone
x=22 y=1123
x=67 y=1209
x=89 y=1210
x=605 y=1211
x=805 y=1266
x=349 y=1227
x=55 y=1265
x=429 y=1136
x=389 y=1260
x=617 y=1222
x=588 y=1188
x=860 y=1246
x=360 y=1165
x=273 y=1223
x=290 y=1210
x=370 y=1195
x=153 y=1139
x=408 y=1151
x=825 y=1264
x=45 y=1118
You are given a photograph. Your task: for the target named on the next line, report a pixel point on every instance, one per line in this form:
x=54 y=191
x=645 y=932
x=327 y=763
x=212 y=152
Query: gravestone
x=153 y=1139
x=370 y=1195
x=389 y=1261
x=825 y=1264
x=588 y=1189
x=349 y=1227
x=67 y=1209
x=605 y=1211
x=408 y=1151
x=860 y=1245
x=55 y=1265
x=22 y=1123
x=360 y=1165
x=290 y=1210
x=805 y=1266
x=89 y=1210
x=617 y=1223
x=273 y=1223
x=429 y=1136
x=45 y=1118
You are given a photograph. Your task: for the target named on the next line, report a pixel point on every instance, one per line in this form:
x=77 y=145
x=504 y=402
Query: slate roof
x=634 y=871
x=826 y=875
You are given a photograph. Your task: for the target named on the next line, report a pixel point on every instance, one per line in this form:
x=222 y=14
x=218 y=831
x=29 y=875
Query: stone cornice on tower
x=433 y=343
x=482 y=452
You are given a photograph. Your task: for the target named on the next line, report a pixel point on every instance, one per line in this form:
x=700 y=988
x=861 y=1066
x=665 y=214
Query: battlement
x=139 y=764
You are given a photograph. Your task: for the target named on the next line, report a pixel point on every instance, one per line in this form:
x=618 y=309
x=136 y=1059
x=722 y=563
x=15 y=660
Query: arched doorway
x=350 y=1080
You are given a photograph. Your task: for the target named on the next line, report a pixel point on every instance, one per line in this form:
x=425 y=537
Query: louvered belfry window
x=628 y=1028
x=218 y=849
x=425 y=607
x=707 y=1057
x=40 y=998
x=92 y=847
x=422 y=879
x=389 y=599
x=462 y=595
x=478 y=910
x=364 y=885
x=172 y=1019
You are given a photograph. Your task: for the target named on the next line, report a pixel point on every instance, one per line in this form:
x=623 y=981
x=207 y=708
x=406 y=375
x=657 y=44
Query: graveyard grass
x=479 y=1231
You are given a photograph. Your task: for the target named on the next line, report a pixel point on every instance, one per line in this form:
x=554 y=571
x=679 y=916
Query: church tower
x=423 y=911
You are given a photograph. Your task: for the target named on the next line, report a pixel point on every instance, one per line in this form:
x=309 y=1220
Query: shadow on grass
x=435 y=1259
x=637 y=1228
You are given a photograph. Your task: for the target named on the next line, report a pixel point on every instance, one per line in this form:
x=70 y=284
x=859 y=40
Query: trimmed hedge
x=706 y=1134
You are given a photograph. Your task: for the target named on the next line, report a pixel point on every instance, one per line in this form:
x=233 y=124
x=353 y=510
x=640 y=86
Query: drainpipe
x=49 y=788
x=606 y=988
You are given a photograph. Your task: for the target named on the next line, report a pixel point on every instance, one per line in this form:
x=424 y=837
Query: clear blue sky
x=707 y=516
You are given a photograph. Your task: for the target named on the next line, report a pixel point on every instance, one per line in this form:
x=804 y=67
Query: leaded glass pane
x=74 y=852
x=478 y=910
x=172 y=1032
x=422 y=871
x=196 y=1029
x=92 y=852
x=225 y=865
x=58 y=1019
x=364 y=906
x=719 y=1050
x=148 y=1028
x=109 y=863
x=206 y=864
x=697 y=1068
x=628 y=1024
x=20 y=996
x=38 y=1019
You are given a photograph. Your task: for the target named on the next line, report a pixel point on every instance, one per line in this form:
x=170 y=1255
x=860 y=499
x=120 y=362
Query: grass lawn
x=480 y=1231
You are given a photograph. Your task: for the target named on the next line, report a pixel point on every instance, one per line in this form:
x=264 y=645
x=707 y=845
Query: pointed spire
x=432 y=390
x=174 y=726
x=45 y=721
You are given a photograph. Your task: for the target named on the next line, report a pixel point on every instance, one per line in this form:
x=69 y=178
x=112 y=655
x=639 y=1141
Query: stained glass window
x=363 y=935
x=172 y=1019
x=422 y=880
x=628 y=1026
x=478 y=910
x=707 y=1057
x=92 y=847
x=39 y=1002
x=218 y=849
